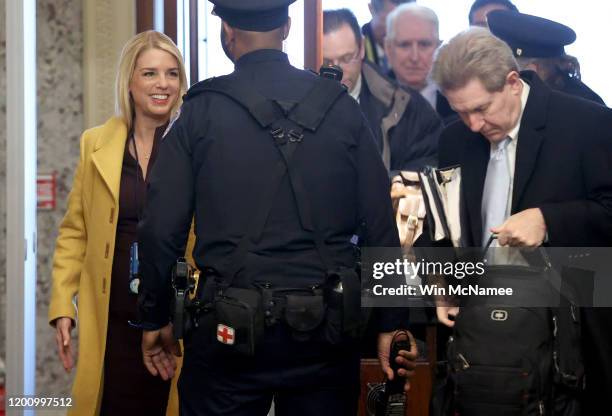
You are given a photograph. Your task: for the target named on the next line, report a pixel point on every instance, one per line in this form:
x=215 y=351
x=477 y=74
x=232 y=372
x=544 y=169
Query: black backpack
x=514 y=360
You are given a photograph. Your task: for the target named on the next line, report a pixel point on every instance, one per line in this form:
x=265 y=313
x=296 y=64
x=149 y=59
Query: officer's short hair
x=422 y=12
x=548 y=65
x=474 y=53
x=124 y=105
x=553 y=71
x=335 y=19
x=481 y=3
x=378 y=5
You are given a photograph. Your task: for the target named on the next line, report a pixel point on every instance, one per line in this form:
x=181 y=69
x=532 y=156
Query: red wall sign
x=45 y=191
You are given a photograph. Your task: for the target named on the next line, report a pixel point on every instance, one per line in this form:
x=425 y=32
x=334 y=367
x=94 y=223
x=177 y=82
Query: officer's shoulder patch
x=173 y=119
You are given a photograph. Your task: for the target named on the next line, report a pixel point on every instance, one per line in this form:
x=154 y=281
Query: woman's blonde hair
x=127 y=63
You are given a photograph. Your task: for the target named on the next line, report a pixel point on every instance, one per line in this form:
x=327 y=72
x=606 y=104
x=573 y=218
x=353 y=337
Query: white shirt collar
x=380 y=51
x=429 y=92
x=513 y=134
x=357 y=90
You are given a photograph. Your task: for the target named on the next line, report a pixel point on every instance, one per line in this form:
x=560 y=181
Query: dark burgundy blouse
x=128 y=387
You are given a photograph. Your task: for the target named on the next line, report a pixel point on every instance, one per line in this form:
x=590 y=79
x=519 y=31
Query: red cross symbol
x=225 y=334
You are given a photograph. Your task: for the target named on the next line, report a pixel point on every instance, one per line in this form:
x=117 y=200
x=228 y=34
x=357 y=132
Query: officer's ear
x=286 y=28
x=230 y=33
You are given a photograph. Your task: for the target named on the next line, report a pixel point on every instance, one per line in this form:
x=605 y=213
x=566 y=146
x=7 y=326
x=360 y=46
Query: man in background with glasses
x=405 y=126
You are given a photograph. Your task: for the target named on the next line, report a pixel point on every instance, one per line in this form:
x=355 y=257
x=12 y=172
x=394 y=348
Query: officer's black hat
x=530 y=36
x=253 y=15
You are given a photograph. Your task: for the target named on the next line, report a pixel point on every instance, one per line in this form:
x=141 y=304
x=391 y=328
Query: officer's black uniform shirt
x=216 y=160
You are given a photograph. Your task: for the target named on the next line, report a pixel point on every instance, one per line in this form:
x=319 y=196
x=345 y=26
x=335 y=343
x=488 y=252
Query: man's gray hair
x=413 y=9
x=474 y=53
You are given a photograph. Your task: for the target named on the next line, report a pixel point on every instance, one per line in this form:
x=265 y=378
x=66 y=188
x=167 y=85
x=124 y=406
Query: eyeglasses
x=348 y=59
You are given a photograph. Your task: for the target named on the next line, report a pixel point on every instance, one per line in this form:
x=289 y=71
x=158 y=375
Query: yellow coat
x=83 y=259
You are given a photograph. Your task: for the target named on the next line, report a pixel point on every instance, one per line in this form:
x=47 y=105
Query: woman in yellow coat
x=92 y=284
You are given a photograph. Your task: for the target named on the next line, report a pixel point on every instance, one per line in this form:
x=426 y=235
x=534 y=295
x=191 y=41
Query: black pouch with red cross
x=239 y=320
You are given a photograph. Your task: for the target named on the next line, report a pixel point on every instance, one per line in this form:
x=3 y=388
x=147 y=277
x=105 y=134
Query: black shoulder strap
x=263 y=110
x=287 y=132
x=311 y=111
x=308 y=113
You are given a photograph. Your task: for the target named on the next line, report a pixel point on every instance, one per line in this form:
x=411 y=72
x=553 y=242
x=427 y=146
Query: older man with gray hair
x=412 y=39
x=535 y=170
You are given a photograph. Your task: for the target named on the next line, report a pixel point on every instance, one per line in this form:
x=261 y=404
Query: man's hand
x=444 y=312
x=63 y=328
x=158 y=350
x=446 y=306
x=406 y=359
x=523 y=229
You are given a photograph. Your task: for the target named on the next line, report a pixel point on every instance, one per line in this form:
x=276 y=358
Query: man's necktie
x=496 y=189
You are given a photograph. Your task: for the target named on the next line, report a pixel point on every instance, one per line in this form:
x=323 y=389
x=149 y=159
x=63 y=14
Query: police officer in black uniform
x=538 y=44
x=220 y=163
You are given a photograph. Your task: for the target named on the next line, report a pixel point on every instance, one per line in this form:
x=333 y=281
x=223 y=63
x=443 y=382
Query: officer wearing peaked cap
x=279 y=169
x=538 y=44
x=258 y=16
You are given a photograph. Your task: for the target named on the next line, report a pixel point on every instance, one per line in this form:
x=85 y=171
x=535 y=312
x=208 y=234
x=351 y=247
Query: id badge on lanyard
x=134 y=279
x=134 y=275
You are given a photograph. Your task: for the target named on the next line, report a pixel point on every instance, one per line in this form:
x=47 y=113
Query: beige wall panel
x=108 y=24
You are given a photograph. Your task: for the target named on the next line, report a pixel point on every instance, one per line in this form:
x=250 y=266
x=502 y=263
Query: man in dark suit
x=554 y=186
x=406 y=129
